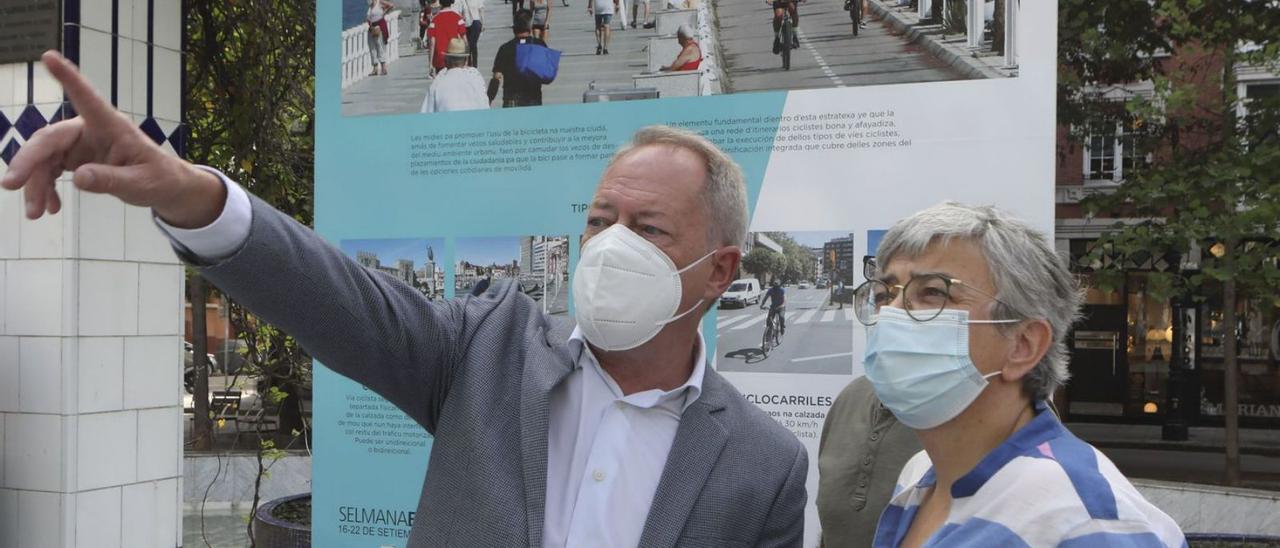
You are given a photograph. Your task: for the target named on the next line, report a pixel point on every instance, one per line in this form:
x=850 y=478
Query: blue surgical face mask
x=921 y=371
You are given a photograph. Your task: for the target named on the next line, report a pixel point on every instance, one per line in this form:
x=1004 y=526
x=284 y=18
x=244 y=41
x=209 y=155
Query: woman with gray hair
x=690 y=57
x=966 y=327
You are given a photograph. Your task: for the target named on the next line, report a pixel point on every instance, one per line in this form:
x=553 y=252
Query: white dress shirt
x=606 y=451
x=461 y=88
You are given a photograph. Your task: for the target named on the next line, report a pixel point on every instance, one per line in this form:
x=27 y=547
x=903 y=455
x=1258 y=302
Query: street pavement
x=572 y=33
x=829 y=54
x=819 y=337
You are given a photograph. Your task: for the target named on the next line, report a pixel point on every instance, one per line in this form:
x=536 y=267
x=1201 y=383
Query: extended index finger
x=87 y=102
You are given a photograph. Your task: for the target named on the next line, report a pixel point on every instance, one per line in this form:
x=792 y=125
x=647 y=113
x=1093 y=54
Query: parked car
x=741 y=293
x=189 y=366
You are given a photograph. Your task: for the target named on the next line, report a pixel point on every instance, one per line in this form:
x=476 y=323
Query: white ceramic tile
x=95 y=55
x=152 y=510
x=19 y=87
x=41 y=517
x=124 y=71
x=42 y=238
x=101 y=226
x=6 y=90
x=159 y=299
x=95 y=14
x=143 y=241
x=100 y=368
x=168 y=24
x=159 y=443
x=46 y=88
x=167 y=82
x=9 y=368
x=125 y=29
x=108 y=298
x=40 y=374
x=139 y=71
x=33 y=297
x=11 y=219
x=98 y=518
x=33 y=455
x=152 y=371
x=106 y=452
x=8 y=518
x=138 y=29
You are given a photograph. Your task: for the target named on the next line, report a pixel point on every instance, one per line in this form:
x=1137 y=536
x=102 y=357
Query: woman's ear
x=1031 y=341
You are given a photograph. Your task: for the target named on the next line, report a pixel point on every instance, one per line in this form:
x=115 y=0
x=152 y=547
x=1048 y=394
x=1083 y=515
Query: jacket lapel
x=542 y=372
x=699 y=440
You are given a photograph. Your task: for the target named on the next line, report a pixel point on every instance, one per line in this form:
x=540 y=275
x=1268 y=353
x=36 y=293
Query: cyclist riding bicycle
x=791 y=6
x=777 y=300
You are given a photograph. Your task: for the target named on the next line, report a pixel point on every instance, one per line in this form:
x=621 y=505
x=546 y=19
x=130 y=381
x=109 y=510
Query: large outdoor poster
x=858 y=131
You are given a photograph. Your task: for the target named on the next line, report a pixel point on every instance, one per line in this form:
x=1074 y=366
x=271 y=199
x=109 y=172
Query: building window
x=1111 y=157
x=1101 y=156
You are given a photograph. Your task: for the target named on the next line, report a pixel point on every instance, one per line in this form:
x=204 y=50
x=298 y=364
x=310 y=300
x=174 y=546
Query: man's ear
x=1031 y=342
x=724 y=267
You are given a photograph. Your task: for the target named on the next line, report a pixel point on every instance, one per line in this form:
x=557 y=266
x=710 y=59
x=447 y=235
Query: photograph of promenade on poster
x=412 y=261
x=540 y=264
x=673 y=48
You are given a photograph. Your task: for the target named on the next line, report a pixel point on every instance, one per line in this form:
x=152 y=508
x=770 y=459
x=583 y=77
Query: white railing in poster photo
x=977 y=18
x=356 y=64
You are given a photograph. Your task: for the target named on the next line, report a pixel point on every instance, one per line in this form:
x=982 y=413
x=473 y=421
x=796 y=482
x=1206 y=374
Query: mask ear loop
x=700 y=301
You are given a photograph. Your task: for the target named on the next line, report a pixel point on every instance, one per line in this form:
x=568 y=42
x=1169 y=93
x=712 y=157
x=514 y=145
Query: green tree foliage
x=763 y=263
x=249 y=106
x=1213 y=183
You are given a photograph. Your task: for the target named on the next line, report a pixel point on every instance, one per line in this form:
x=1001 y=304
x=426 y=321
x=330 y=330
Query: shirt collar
x=1043 y=428
x=692 y=388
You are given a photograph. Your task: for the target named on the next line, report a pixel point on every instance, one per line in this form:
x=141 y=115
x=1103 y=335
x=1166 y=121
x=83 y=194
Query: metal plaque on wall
x=28 y=28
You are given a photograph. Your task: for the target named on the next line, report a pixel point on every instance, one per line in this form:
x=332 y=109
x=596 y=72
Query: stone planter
x=270 y=531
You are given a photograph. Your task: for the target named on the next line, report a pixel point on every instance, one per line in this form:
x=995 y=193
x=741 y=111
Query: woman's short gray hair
x=684 y=31
x=1030 y=278
x=725 y=191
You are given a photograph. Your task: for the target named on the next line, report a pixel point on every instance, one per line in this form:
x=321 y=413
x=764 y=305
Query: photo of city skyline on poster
x=412 y=261
x=539 y=264
x=730 y=49
x=814 y=271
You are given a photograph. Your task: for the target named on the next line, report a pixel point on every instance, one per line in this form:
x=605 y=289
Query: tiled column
x=91 y=309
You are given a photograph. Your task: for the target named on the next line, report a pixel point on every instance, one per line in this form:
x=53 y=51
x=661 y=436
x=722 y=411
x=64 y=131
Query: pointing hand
x=109 y=155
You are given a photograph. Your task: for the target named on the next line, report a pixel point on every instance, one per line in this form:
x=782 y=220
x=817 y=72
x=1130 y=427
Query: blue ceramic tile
x=152 y=129
x=10 y=150
x=29 y=122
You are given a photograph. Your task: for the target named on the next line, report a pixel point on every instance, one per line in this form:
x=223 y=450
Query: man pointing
x=613 y=433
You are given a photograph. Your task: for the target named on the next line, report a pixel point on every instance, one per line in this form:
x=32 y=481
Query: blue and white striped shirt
x=1042 y=487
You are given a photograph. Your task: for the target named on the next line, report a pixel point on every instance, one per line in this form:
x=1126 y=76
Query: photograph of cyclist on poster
x=781 y=315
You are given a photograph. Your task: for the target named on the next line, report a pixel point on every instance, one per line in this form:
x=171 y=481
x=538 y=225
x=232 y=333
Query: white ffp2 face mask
x=625 y=289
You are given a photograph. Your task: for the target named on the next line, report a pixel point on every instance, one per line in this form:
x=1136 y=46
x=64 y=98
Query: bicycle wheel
x=786 y=43
x=766 y=342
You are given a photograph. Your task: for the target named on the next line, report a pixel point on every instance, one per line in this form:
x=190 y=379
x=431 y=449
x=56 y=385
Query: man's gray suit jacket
x=477 y=373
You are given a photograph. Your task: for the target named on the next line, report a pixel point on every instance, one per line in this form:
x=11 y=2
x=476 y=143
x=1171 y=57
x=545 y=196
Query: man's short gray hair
x=725 y=191
x=1031 y=279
